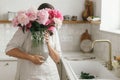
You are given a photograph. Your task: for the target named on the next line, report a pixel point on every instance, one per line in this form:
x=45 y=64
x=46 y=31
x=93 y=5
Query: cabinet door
x=64 y=74
x=8 y=70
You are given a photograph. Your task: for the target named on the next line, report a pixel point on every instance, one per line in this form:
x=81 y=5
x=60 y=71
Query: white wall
x=97 y=7
x=102 y=49
x=69 y=33
x=67 y=7
x=70 y=36
x=70 y=7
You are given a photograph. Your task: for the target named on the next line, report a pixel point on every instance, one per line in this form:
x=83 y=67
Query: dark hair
x=45 y=5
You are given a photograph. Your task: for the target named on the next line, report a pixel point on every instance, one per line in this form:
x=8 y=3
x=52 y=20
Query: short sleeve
x=56 y=40
x=17 y=40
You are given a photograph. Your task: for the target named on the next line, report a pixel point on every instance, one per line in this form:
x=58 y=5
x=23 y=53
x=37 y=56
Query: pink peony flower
x=23 y=19
x=58 y=14
x=55 y=14
x=52 y=28
x=50 y=22
x=28 y=25
x=42 y=16
x=31 y=13
x=21 y=12
x=58 y=23
x=32 y=19
x=15 y=22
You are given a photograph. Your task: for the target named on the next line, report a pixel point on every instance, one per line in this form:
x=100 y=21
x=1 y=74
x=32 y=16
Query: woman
x=34 y=67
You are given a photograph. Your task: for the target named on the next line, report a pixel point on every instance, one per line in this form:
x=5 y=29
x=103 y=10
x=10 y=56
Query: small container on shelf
x=11 y=15
x=74 y=18
x=67 y=17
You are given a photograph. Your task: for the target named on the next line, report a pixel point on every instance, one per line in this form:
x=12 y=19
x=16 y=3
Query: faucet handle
x=109 y=65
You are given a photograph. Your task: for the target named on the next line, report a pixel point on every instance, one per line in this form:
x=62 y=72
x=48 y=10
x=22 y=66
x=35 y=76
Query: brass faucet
x=109 y=63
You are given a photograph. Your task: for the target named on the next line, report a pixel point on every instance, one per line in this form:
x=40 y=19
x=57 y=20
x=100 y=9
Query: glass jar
x=39 y=48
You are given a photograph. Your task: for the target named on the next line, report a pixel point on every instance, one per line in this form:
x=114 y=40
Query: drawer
x=8 y=70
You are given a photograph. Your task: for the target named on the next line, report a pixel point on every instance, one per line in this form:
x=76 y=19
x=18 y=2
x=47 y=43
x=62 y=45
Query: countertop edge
x=7 y=58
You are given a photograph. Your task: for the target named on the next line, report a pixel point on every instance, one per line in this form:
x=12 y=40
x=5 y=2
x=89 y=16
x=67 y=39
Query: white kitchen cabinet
x=7 y=69
x=64 y=74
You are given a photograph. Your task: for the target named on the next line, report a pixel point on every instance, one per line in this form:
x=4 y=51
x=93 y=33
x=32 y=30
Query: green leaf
x=86 y=76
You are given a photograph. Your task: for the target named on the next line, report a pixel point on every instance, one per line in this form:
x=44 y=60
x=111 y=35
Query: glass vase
x=39 y=47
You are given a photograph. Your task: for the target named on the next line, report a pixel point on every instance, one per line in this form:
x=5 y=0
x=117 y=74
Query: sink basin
x=92 y=67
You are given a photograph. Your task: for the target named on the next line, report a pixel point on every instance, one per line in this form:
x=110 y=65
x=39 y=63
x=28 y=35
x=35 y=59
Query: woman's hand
x=37 y=59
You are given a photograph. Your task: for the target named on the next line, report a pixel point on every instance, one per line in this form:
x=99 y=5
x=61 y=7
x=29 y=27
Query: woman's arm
x=14 y=45
x=36 y=59
x=52 y=52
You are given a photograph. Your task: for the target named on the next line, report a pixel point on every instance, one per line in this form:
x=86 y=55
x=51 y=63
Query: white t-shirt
x=26 y=70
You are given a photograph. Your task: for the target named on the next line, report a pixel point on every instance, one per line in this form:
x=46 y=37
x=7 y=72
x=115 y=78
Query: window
x=110 y=16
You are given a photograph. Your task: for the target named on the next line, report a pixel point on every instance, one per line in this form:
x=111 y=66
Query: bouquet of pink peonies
x=38 y=21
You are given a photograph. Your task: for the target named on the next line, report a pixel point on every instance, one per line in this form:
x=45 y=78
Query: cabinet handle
x=6 y=64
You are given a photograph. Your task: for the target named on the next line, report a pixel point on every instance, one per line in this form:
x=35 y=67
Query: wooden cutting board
x=85 y=42
x=85 y=35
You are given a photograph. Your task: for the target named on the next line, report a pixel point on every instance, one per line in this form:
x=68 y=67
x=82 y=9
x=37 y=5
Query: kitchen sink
x=92 y=67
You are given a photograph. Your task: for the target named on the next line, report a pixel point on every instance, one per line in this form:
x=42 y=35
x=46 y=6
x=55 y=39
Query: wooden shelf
x=95 y=22
x=64 y=22
x=74 y=22
x=4 y=21
x=81 y=22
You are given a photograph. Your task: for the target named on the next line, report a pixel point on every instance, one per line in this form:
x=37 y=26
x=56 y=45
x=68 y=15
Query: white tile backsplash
x=70 y=38
x=69 y=35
